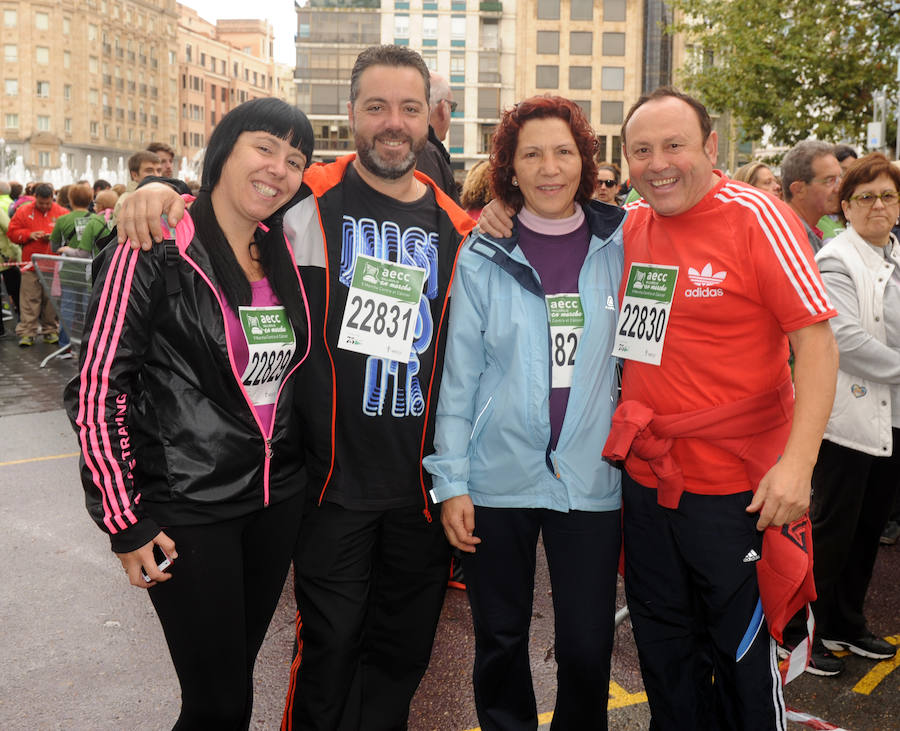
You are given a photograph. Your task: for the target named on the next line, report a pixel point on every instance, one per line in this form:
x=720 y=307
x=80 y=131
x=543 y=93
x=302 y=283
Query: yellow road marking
x=618 y=698
x=39 y=459
x=872 y=678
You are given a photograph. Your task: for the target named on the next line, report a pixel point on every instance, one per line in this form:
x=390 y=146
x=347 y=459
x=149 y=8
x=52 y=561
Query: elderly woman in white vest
x=858 y=469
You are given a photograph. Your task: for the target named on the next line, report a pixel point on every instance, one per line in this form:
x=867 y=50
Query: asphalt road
x=82 y=650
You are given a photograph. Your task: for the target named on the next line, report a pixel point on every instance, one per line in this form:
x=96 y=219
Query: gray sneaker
x=868 y=646
x=890 y=534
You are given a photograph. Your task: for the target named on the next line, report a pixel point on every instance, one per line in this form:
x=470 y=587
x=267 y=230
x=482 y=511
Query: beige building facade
x=85 y=77
x=88 y=81
x=590 y=51
x=221 y=65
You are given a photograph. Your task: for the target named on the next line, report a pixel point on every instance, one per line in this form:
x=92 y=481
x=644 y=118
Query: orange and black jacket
x=346 y=465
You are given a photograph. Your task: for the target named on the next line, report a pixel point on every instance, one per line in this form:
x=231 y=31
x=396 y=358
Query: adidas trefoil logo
x=707 y=282
x=752 y=556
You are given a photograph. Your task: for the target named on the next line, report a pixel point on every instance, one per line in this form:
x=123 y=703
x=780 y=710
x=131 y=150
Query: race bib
x=641 y=330
x=566 y=328
x=270 y=343
x=382 y=309
x=80 y=226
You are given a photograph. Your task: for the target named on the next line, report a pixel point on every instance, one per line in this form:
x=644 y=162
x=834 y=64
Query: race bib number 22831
x=382 y=309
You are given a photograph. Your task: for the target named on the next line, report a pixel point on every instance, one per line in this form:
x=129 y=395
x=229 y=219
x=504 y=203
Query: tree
x=800 y=67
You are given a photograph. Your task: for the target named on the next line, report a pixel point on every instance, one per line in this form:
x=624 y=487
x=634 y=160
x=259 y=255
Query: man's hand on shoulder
x=139 y=218
x=496 y=219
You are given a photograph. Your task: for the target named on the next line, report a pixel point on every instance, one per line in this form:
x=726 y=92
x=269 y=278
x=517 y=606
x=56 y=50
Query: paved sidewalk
x=83 y=651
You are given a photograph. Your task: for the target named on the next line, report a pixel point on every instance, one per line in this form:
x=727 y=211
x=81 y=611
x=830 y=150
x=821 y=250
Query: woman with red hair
x=526 y=400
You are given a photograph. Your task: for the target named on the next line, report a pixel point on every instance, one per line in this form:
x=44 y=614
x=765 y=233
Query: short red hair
x=506 y=139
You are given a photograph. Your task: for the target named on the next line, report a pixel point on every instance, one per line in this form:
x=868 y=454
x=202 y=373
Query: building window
x=10 y=18
x=10 y=53
x=67 y=92
x=612 y=78
x=188 y=53
x=12 y=121
x=614 y=11
x=93 y=64
x=429 y=26
x=95 y=129
x=41 y=21
x=489 y=103
x=490 y=34
x=67 y=125
x=11 y=87
x=611 y=113
x=401 y=26
x=581 y=43
x=582 y=10
x=44 y=159
x=548 y=41
x=488 y=68
x=43 y=89
x=92 y=32
x=430 y=58
x=66 y=26
x=43 y=122
x=171 y=58
x=42 y=55
x=601 y=149
x=67 y=59
x=93 y=97
x=613 y=44
x=459 y=96
x=580 y=77
x=457 y=138
x=548 y=9
x=458 y=27
x=585 y=107
x=457 y=64
x=546 y=77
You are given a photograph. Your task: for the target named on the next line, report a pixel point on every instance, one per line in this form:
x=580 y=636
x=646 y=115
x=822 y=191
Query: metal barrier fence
x=67 y=281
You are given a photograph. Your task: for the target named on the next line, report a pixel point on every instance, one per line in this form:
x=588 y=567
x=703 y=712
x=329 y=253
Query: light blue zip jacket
x=492 y=431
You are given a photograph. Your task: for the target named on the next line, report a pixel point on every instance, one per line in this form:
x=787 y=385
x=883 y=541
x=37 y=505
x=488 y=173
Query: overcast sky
x=280 y=13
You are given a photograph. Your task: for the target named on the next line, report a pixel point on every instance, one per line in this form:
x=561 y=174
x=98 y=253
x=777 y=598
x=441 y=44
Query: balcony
x=490 y=7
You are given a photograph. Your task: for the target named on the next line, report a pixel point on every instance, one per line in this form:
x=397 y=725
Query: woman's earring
x=515 y=182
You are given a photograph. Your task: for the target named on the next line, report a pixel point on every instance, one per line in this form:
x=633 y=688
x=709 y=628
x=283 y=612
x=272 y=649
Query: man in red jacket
x=31 y=227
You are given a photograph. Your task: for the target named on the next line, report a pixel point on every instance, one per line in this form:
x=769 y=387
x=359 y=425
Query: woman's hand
x=143 y=558
x=141 y=210
x=458 y=519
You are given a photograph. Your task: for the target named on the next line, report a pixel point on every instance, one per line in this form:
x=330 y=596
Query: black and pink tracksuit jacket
x=167 y=433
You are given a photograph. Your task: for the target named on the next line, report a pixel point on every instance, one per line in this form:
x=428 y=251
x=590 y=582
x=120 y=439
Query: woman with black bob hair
x=191 y=459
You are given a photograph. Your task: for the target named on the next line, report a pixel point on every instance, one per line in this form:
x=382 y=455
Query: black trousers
x=692 y=597
x=582 y=554
x=853 y=494
x=217 y=606
x=369 y=586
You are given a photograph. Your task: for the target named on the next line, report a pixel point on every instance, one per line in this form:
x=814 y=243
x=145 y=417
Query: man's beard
x=378 y=166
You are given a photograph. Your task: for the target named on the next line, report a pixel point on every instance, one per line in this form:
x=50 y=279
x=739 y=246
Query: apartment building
x=103 y=78
x=220 y=65
x=460 y=39
x=86 y=77
x=590 y=51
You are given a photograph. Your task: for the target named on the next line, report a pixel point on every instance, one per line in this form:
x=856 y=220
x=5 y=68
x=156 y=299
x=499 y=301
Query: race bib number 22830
x=641 y=330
